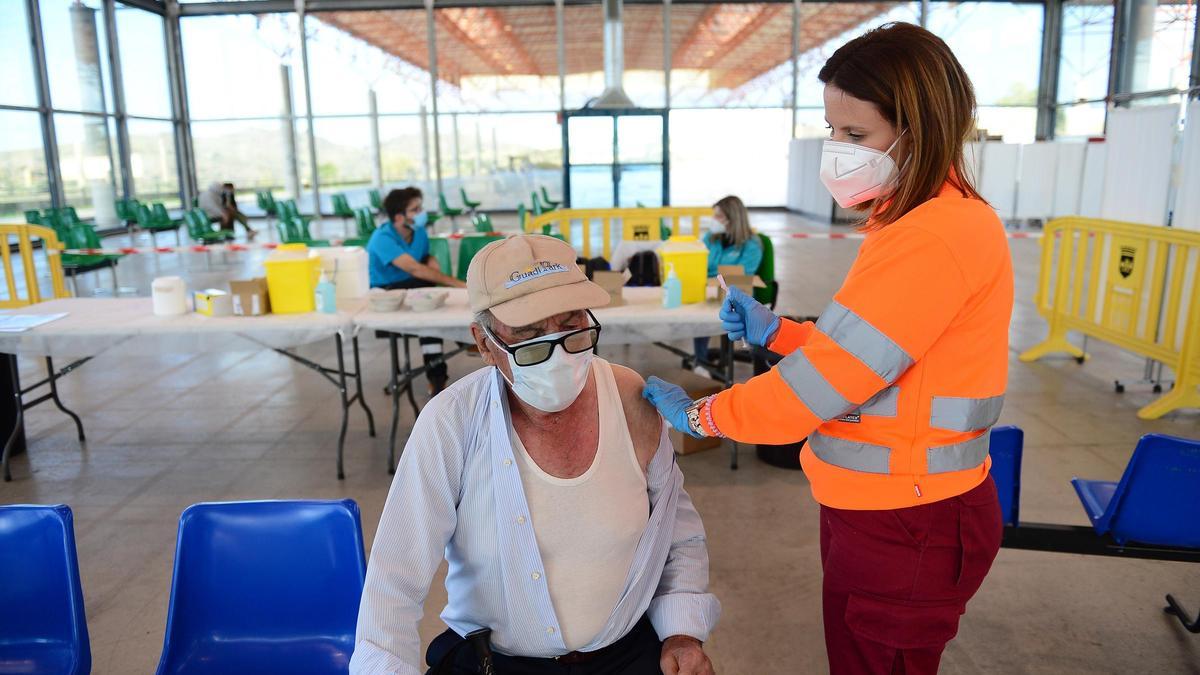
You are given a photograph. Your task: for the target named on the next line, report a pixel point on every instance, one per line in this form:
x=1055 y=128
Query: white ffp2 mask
x=854 y=174
x=554 y=384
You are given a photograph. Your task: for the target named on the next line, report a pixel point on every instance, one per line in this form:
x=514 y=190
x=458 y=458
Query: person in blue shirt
x=398 y=257
x=730 y=241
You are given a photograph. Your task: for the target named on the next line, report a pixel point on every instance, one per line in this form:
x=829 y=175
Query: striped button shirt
x=457 y=493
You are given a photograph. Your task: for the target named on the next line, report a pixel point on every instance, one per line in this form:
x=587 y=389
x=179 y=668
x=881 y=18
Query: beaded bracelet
x=707 y=407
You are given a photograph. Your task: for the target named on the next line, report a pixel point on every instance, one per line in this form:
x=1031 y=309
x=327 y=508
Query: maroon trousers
x=897 y=581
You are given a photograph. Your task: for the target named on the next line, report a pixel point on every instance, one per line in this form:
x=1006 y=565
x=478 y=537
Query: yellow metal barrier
x=1134 y=286
x=52 y=248
x=636 y=224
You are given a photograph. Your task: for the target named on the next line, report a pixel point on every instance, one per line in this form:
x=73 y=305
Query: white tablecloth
x=128 y=326
x=642 y=319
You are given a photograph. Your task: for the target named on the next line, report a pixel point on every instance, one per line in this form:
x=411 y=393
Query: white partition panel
x=805 y=192
x=1187 y=197
x=1138 y=172
x=1095 y=161
x=1068 y=179
x=998 y=182
x=1035 y=190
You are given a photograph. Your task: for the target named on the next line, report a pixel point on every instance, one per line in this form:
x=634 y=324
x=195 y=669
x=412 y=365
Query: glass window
x=1086 y=51
x=645 y=81
x=1160 y=45
x=17 y=83
x=234 y=65
x=826 y=26
x=754 y=141
x=731 y=54
x=85 y=152
x=250 y=153
x=998 y=43
x=23 y=182
x=76 y=55
x=1083 y=120
x=406 y=149
x=343 y=151
x=143 y=62
x=152 y=161
x=502 y=157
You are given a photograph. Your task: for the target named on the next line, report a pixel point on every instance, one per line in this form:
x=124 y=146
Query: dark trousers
x=431 y=348
x=897 y=581
x=638 y=653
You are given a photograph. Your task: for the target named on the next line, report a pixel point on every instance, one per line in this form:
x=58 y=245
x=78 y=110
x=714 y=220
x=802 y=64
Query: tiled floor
x=165 y=432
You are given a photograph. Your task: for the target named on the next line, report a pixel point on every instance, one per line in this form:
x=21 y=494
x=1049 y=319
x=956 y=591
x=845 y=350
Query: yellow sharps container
x=690 y=259
x=292 y=277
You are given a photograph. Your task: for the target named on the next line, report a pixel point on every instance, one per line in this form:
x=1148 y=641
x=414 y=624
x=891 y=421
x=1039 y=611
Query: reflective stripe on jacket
x=899 y=380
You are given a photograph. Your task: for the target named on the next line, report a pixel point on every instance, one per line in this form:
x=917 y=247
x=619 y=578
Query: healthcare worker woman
x=899 y=380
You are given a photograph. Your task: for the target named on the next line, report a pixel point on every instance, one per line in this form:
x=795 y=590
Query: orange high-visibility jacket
x=899 y=380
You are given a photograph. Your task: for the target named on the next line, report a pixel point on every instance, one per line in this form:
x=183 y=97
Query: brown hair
x=918 y=85
x=738 y=231
x=397 y=201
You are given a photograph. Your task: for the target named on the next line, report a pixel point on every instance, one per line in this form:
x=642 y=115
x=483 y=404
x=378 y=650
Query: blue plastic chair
x=1006 y=446
x=1156 y=501
x=265 y=587
x=42 y=624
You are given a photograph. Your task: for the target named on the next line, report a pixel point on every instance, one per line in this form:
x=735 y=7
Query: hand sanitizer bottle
x=326 y=295
x=672 y=289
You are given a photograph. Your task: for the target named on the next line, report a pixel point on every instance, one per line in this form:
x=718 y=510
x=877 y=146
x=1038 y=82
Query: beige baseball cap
x=529 y=277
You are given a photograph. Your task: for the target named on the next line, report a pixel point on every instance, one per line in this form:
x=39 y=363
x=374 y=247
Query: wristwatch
x=693 y=417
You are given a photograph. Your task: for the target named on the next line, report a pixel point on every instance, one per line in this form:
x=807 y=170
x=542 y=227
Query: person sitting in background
x=399 y=258
x=219 y=203
x=730 y=241
x=551 y=489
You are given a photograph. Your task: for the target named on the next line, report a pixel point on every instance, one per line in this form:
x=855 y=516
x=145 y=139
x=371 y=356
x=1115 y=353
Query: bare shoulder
x=645 y=425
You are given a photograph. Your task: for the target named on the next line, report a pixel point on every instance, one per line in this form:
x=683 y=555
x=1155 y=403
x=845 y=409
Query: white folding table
x=93 y=326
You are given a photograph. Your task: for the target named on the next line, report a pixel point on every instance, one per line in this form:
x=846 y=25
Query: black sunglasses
x=539 y=351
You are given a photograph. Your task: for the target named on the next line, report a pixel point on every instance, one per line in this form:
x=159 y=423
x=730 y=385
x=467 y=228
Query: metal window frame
x=1047 y=96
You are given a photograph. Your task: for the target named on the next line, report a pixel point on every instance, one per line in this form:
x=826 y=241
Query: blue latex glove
x=744 y=317
x=672 y=403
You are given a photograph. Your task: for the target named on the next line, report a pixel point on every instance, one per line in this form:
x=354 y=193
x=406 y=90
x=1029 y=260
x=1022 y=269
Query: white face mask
x=554 y=384
x=854 y=174
x=716 y=227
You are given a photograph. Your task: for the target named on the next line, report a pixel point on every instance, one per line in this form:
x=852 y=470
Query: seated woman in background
x=399 y=257
x=730 y=242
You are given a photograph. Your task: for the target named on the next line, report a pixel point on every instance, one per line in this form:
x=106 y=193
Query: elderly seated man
x=550 y=486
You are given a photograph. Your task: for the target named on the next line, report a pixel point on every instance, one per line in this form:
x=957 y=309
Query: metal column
x=376 y=152
x=49 y=140
x=667 y=54
x=923 y=18
x=287 y=129
x=795 y=62
x=128 y=189
x=185 y=157
x=431 y=36
x=1047 y=98
x=1194 y=79
x=560 y=41
x=308 y=111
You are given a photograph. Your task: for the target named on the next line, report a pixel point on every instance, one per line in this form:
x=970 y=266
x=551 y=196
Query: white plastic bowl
x=380 y=300
x=427 y=300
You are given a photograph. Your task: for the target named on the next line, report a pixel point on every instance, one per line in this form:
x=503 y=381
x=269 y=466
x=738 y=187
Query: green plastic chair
x=292 y=231
x=766 y=271
x=483 y=224
x=69 y=214
x=365 y=219
x=446 y=210
x=201 y=231
x=82 y=235
x=472 y=244
x=376 y=200
x=341 y=206
x=287 y=208
x=538 y=209
x=33 y=217
x=439 y=250
x=155 y=220
x=433 y=217
x=266 y=202
x=521 y=215
x=550 y=203
x=467 y=201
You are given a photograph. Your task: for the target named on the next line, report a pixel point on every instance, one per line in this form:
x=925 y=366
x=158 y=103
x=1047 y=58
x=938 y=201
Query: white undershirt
x=588 y=527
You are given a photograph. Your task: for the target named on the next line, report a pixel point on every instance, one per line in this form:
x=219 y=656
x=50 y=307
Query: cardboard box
x=250 y=297
x=735 y=275
x=613 y=282
x=696 y=387
x=213 y=302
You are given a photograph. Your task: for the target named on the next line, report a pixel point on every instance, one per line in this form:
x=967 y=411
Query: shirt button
x=508 y=462
x=521 y=521
x=536 y=575
x=550 y=630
